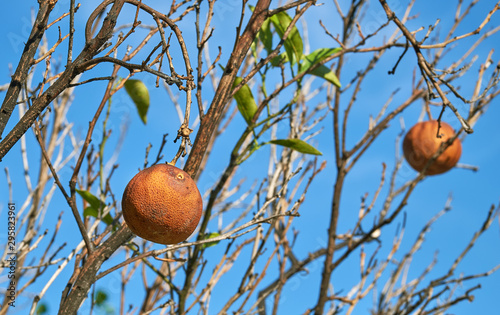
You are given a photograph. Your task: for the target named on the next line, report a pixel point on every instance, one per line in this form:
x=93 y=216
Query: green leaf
x=316 y=57
x=279 y=59
x=42 y=309
x=293 y=44
x=327 y=74
x=108 y=219
x=91 y=199
x=322 y=71
x=96 y=207
x=139 y=94
x=209 y=236
x=100 y=298
x=266 y=36
x=90 y=211
x=297 y=145
x=245 y=101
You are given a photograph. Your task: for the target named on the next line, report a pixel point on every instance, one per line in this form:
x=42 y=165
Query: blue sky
x=472 y=192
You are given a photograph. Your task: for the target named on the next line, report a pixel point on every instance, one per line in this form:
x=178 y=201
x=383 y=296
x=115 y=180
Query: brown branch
x=341 y=162
x=233 y=234
x=424 y=66
x=474 y=32
x=48 y=53
x=40 y=103
x=24 y=65
x=211 y=119
x=130 y=66
x=87 y=276
x=76 y=214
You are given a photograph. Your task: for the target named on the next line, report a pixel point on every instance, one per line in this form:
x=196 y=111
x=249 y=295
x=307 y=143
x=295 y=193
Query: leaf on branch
x=96 y=207
x=297 y=145
x=91 y=199
x=90 y=212
x=100 y=298
x=319 y=55
x=322 y=71
x=209 y=236
x=279 y=59
x=139 y=94
x=293 y=43
x=266 y=36
x=245 y=101
x=42 y=309
x=327 y=74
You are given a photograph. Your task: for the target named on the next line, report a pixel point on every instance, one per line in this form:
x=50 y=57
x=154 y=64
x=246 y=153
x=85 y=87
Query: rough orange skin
x=421 y=143
x=162 y=204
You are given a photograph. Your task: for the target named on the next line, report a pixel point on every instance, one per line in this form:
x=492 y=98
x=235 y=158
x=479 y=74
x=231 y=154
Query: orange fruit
x=162 y=204
x=421 y=143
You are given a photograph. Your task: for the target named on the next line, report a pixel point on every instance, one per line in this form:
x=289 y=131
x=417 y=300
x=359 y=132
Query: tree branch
x=210 y=121
x=25 y=64
x=72 y=70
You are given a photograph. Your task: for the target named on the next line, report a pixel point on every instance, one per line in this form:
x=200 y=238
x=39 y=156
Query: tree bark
x=25 y=63
x=72 y=70
x=211 y=119
x=80 y=289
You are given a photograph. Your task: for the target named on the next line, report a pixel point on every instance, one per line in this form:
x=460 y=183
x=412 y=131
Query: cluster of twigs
x=263 y=231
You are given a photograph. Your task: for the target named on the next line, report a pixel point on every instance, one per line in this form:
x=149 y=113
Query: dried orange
x=162 y=204
x=421 y=143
